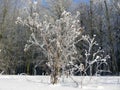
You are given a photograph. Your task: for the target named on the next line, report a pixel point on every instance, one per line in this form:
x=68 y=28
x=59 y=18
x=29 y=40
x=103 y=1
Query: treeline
x=97 y=17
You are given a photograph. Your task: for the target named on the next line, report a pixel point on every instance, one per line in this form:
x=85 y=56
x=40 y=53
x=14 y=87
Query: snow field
x=20 y=82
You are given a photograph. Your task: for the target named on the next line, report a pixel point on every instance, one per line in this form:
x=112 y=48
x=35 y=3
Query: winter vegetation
x=71 y=44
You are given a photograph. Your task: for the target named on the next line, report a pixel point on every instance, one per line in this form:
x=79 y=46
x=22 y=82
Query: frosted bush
x=56 y=39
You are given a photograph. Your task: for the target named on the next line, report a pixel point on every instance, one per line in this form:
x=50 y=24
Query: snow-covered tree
x=92 y=56
x=56 y=39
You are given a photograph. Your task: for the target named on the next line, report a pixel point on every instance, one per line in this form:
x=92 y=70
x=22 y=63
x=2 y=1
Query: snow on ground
x=20 y=82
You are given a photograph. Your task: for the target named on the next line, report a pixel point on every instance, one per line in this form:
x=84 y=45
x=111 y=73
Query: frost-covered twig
x=56 y=38
x=91 y=56
x=2 y=73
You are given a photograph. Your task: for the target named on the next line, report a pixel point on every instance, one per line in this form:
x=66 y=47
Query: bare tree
x=111 y=38
x=12 y=36
x=56 y=7
x=55 y=38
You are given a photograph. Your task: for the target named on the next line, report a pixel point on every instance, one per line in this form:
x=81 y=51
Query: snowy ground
x=42 y=83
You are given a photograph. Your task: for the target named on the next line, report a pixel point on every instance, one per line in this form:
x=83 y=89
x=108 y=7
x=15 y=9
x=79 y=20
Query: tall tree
x=111 y=38
x=56 y=7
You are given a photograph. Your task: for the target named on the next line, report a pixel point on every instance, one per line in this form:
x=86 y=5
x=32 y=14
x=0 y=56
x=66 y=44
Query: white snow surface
x=24 y=82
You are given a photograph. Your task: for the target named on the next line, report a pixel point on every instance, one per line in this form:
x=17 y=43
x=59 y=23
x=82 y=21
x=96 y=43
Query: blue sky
x=43 y=2
x=76 y=1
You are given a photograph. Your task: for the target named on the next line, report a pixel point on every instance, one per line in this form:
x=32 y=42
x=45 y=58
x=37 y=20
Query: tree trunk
x=91 y=19
x=55 y=72
x=111 y=39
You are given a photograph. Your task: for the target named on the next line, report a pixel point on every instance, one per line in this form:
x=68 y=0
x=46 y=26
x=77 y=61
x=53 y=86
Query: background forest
x=97 y=17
